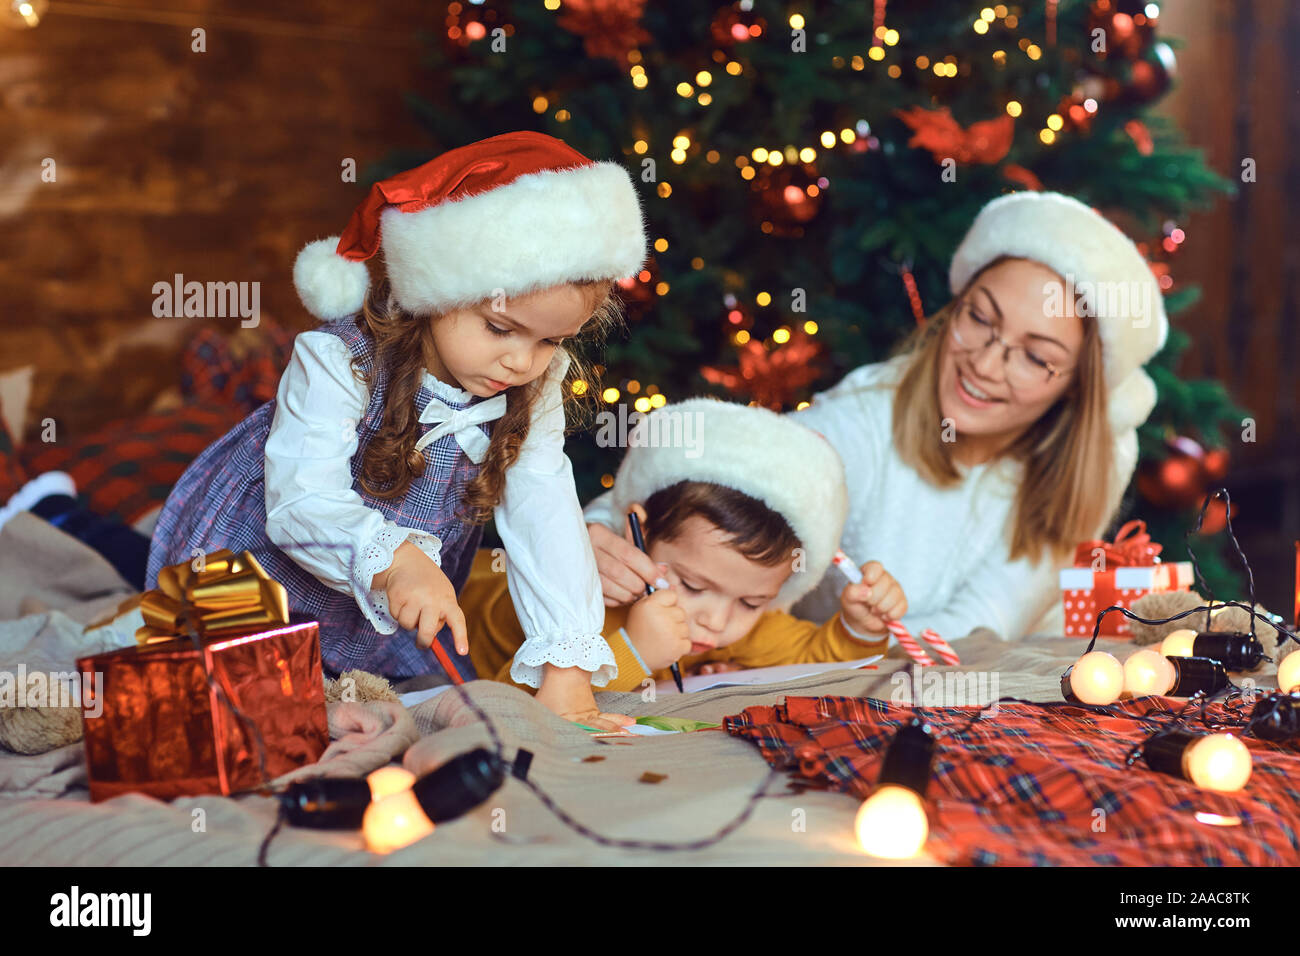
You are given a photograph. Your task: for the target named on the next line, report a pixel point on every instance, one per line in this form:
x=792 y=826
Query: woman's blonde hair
x=390 y=462
x=1064 y=497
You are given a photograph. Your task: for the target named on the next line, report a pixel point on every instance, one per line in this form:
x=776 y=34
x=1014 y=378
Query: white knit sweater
x=948 y=548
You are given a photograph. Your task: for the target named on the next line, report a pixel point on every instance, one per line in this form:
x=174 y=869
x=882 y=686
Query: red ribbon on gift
x=1132 y=547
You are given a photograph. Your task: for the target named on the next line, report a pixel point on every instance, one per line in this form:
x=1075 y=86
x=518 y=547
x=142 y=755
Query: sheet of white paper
x=762 y=675
x=419 y=696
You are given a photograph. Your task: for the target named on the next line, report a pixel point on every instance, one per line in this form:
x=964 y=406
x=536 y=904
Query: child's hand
x=566 y=691
x=421 y=597
x=715 y=667
x=877 y=599
x=657 y=626
x=624 y=568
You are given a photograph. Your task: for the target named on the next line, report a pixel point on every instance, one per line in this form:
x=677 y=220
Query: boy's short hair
x=754 y=529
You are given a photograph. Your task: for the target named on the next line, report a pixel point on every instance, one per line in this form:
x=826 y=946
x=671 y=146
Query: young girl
x=739 y=528
x=398 y=431
x=1001 y=436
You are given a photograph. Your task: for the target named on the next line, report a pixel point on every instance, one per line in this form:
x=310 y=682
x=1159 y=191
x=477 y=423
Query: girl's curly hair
x=390 y=462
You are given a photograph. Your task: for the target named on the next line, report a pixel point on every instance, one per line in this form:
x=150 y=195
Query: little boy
x=737 y=540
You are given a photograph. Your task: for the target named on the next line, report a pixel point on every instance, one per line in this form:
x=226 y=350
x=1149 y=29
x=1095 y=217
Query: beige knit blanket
x=707 y=776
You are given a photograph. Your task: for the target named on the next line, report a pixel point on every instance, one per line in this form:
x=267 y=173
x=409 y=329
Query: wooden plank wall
x=217 y=165
x=1237 y=97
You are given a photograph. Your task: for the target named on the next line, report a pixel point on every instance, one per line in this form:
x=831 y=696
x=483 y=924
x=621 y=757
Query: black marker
x=635 y=524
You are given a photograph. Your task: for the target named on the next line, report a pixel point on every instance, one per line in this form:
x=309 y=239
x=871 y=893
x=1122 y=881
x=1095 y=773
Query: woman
x=1002 y=435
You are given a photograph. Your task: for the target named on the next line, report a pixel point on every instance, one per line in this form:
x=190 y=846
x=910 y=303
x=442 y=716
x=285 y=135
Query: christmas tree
x=807 y=169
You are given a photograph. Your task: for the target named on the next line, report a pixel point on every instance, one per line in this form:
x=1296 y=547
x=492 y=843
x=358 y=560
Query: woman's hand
x=421 y=597
x=657 y=626
x=625 y=569
x=878 y=598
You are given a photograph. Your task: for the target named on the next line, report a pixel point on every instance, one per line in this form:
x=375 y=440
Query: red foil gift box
x=1118 y=572
x=226 y=707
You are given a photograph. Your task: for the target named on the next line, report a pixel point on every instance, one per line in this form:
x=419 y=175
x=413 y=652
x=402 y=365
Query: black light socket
x=1164 y=752
x=1192 y=674
x=459 y=785
x=1237 y=650
x=1276 y=717
x=326 y=803
x=909 y=758
x=1066 y=691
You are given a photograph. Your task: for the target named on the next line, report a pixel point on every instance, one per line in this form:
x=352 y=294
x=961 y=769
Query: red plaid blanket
x=1045 y=786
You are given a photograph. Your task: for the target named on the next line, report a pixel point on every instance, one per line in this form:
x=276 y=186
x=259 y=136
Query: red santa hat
x=508 y=215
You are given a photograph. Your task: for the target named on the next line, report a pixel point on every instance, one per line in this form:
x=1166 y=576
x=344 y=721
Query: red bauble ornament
x=1215 y=464
x=787 y=196
x=1216 y=518
x=737 y=318
x=735 y=24
x=1179 y=480
x=1149 y=78
x=1075 y=114
x=471 y=23
x=1128 y=30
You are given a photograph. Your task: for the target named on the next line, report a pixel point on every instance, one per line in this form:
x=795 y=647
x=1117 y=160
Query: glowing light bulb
x=1178 y=643
x=1288 y=673
x=1148 y=672
x=389 y=780
x=1097 y=678
x=1218 y=762
x=892 y=824
x=394 y=822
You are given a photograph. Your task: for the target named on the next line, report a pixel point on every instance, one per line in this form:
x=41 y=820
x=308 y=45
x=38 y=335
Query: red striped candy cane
x=941 y=647
x=908 y=643
x=897 y=628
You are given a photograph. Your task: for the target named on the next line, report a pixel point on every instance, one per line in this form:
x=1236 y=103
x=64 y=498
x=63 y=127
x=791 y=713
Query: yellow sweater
x=778 y=638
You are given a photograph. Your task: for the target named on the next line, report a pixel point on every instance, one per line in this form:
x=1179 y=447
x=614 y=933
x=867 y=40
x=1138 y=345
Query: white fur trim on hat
x=1085 y=249
x=542 y=230
x=331 y=286
x=787 y=466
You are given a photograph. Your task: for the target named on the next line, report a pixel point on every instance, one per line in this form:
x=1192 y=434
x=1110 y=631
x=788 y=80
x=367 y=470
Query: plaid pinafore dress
x=220 y=502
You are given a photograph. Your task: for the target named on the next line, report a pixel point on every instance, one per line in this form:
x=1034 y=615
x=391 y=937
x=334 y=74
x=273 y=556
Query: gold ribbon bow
x=231 y=595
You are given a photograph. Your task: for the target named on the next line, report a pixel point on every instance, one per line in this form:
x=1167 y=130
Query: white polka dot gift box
x=1116 y=572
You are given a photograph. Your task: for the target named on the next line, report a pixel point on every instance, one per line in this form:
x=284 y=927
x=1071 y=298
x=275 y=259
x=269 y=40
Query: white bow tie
x=463 y=423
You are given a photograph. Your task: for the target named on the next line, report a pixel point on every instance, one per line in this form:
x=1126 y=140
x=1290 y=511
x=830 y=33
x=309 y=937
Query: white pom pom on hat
x=508 y=215
x=330 y=286
x=789 y=467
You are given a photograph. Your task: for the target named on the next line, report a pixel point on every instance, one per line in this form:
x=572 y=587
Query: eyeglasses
x=1024 y=369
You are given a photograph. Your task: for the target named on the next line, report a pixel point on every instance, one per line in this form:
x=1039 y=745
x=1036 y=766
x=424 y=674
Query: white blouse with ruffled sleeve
x=551 y=571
